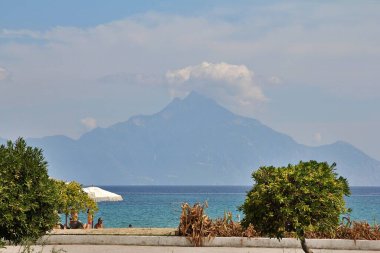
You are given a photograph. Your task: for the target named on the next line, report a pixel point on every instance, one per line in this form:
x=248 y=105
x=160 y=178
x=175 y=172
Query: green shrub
x=307 y=197
x=28 y=197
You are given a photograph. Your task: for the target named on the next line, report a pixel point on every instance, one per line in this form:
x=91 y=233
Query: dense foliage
x=74 y=199
x=307 y=197
x=28 y=197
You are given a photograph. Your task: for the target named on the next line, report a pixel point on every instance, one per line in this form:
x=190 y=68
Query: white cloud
x=3 y=74
x=316 y=43
x=225 y=82
x=89 y=123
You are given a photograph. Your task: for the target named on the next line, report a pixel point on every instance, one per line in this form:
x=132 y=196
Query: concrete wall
x=216 y=242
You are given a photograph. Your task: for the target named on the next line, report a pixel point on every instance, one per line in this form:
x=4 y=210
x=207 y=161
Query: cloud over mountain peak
x=229 y=83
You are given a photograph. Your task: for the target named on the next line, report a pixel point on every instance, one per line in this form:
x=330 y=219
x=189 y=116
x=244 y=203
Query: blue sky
x=306 y=69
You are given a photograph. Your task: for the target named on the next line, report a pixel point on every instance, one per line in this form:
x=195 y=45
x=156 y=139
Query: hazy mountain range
x=191 y=141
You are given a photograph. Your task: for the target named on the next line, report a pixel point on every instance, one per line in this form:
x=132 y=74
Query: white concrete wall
x=337 y=244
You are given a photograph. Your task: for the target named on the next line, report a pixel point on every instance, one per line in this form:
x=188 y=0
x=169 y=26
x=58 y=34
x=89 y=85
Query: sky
x=309 y=69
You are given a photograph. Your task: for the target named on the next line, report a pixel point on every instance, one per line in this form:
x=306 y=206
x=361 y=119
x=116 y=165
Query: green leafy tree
x=298 y=198
x=28 y=197
x=72 y=198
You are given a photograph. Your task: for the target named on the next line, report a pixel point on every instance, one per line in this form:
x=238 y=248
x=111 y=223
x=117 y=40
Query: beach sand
x=116 y=231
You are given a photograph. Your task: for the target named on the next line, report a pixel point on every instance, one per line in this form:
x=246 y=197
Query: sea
x=160 y=206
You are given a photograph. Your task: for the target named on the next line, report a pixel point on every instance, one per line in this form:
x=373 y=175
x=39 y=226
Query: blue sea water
x=160 y=206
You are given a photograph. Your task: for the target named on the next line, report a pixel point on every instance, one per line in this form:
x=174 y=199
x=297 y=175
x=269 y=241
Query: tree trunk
x=304 y=246
x=66 y=220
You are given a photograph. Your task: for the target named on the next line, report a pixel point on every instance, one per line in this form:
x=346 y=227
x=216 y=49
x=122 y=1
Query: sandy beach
x=116 y=231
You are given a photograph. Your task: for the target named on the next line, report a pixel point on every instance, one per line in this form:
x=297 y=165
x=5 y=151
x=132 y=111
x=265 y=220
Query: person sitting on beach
x=89 y=219
x=74 y=222
x=99 y=224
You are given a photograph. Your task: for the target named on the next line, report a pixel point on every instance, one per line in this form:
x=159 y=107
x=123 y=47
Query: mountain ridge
x=191 y=141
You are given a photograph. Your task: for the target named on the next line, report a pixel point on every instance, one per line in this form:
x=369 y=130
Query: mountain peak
x=193 y=98
x=197 y=97
x=195 y=103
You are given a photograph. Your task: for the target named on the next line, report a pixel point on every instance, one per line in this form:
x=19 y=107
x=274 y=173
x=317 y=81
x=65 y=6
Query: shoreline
x=117 y=231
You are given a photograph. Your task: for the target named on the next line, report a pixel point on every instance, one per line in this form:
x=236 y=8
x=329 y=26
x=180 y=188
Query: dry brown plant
x=197 y=226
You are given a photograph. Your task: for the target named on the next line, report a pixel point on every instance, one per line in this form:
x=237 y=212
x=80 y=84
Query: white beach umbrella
x=99 y=194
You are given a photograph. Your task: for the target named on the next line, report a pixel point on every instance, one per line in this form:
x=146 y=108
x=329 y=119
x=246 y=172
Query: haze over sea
x=160 y=206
